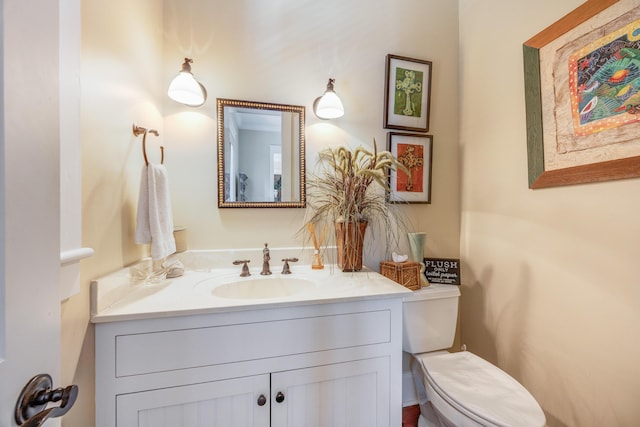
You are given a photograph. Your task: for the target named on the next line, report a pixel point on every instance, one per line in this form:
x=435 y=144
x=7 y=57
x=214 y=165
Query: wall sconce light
x=328 y=106
x=185 y=89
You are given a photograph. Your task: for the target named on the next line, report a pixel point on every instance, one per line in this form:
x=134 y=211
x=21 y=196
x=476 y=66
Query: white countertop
x=116 y=297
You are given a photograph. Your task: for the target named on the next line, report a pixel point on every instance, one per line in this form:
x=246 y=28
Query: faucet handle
x=285 y=267
x=245 y=268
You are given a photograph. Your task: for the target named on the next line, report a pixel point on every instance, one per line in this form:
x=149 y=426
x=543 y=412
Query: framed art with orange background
x=414 y=151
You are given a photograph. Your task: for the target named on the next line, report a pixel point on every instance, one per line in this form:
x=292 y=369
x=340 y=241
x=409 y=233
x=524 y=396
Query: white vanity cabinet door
x=344 y=394
x=212 y=404
x=337 y=364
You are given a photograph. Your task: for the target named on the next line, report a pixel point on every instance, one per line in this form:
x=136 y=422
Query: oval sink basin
x=262 y=288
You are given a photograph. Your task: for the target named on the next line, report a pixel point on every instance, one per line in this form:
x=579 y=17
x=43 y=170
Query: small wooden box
x=406 y=273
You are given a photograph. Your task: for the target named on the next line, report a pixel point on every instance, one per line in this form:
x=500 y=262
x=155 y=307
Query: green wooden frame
x=539 y=177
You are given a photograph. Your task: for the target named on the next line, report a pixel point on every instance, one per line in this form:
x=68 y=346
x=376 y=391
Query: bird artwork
x=605 y=82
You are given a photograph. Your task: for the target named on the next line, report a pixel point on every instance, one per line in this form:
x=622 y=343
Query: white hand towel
x=155 y=218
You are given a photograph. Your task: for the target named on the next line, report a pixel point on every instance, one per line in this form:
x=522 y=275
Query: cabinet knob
x=262 y=400
x=279 y=397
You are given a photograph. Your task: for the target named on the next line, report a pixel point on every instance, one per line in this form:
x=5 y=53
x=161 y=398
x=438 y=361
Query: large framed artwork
x=407 y=95
x=582 y=92
x=414 y=151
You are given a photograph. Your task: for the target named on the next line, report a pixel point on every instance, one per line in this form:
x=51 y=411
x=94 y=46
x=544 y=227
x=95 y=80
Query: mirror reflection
x=260 y=154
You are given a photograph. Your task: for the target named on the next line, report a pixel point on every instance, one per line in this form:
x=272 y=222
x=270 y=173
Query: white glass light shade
x=184 y=88
x=328 y=106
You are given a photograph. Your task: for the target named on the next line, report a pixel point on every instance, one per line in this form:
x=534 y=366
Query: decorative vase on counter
x=416 y=244
x=349 y=241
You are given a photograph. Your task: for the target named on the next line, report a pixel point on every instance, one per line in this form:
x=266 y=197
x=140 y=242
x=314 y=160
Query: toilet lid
x=481 y=390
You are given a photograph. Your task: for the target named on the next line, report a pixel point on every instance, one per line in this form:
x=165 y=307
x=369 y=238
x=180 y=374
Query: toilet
x=458 y=389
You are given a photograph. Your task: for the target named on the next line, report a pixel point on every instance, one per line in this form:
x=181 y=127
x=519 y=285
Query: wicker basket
x=406 y=273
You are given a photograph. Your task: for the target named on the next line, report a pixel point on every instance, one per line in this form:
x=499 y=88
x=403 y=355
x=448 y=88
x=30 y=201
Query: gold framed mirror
x=261 y=155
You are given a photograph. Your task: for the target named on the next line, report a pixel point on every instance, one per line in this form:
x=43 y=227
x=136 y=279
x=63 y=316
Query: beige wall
x=551 y=288
x=284 y=52
x=120 y=84
x=276 y=51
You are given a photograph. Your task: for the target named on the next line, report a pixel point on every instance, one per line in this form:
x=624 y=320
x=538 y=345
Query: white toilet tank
x=429 y=318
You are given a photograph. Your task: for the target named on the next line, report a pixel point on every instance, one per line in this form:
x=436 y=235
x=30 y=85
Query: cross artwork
x=412 y=157
x=408 y=82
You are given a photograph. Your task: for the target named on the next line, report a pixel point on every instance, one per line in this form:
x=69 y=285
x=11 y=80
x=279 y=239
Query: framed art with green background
x=407 y=94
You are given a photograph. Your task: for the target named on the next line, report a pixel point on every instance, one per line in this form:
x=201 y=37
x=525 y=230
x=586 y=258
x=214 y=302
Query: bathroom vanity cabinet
x=314 y=364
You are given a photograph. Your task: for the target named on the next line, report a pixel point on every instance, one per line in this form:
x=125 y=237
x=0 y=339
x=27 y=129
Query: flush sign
x=442 y=270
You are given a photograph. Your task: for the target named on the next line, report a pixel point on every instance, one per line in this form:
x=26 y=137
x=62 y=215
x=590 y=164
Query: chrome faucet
x=266 y=257
x=245 y=267
x=285 y=267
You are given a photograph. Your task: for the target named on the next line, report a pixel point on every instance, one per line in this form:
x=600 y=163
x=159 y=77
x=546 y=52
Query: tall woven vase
x=349 y=242
x=416 y=244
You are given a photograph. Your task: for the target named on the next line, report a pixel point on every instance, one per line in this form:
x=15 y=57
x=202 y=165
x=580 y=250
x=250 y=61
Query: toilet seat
x=480 y=390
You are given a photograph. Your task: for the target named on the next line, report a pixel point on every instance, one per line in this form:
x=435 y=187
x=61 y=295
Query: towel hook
x=139 y=130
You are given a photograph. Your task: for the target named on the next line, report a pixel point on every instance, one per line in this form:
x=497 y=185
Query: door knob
x=30 y=408
x=262 y=400
x=279 y=397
